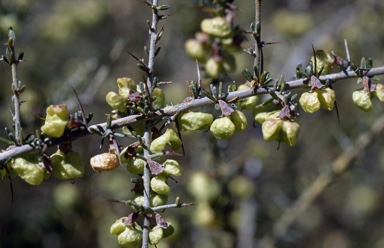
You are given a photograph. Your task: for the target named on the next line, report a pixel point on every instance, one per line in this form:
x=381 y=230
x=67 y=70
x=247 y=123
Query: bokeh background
x=84 y=43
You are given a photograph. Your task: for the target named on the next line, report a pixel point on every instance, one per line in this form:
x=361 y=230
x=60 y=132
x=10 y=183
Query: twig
x=338 y=166
x=172 y=110
x=258 y=56
x=174 y=205
x=16 y=103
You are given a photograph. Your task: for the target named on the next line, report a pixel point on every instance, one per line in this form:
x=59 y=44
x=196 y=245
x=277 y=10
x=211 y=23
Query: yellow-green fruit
x=362 y=100
x=203 y=187
x=291 y=132
x=168 y=138
x=272 y=129
x=117 y=227
x=135 y=165
x=260 y=117
x=380 y=92
x=117 y=101
x=157 y=199
x=130 y=238
x=216 y=26
x=248 y=102
x=172 y=167
x=195 y=121
x=159 y=185
x=327 y=98
x=222 y=128
x=139 y=199
x=158 y=98
x=213 y=67
x=155 y=235
x=239 y=120
x=56 y=120
x=324 y=60
x=104 y=162
x=67 y=166
x=196 y=50
x=309 y=101
x=125 y=86
x=168 y=231
x=27 y=168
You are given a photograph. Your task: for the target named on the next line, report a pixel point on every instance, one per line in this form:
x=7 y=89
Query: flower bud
x=213 y=67
x=327 y=98
x=104 y=162
x=159 y=184
x=195 y=121
x=216 y=26
x=291 y=132
x=155 y=235
x=222 y=128
x=248 y=102
x=309 y=101
x=172 y=167
x=158 y=98
x=239 y=120
x=168 y=138
x=380 y=92
x=67 y=166
x=117 y=227
x=130 y=238
x=196 y=50
x=362 y=100
x=27 y=168
x=117 y=101
x=56 y=120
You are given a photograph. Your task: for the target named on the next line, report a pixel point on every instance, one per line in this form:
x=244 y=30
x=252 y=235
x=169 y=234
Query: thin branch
x=174 y=205
x=258 y=56
x=338 y=166
x=16 y=103
x=172 y=110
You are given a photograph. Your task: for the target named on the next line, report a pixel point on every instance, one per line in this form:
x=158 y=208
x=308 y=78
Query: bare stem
x=16 y=103
x=148 y=124
x=258 y=53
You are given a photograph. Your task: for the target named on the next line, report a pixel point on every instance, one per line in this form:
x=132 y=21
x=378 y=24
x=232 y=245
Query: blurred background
x=248 y=183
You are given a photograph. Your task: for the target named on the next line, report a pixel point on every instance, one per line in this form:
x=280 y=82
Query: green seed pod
x=117 y=227
x=168 y=138
x=239 y=120
x=104 y=162
x=249 y=102
x=139 y=199
x=159 y=185
x=172 y=167
x=362 y=100
x=158 y=199
x=67 y=166
x=135 y=165
x=327 y=98
x=216 y=26
x=291 y=132
x=126 y=85
x=309 y=101
x=158 y=98
x=168 y=231
x=213 y=67
x=222 y=128
x=27 y=168
x=262 y=116
x=272 y=129
x=195 y=121
x=130 y=238
x=155 y=235
x=203 y=187
x=324 y=60
x=196 y=50
x=56 y=120
x=117 y=101
x=380 y=92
